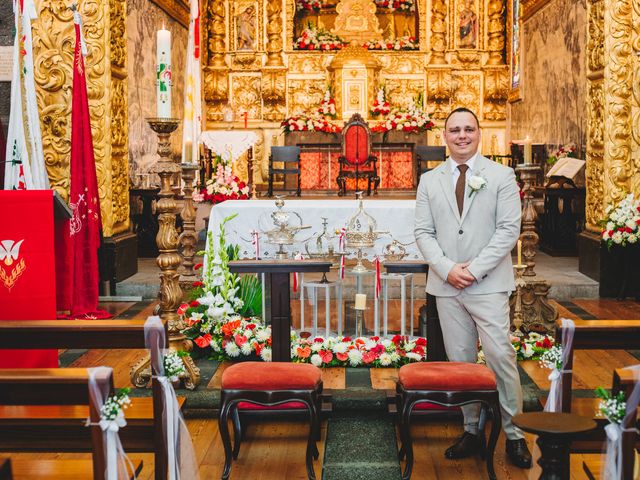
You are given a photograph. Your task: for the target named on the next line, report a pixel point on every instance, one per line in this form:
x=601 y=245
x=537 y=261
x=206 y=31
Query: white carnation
x=316 y=346
x=316 y=360
x=617 y=237
x=355 y=357
x=385 y=359
x=340 y=347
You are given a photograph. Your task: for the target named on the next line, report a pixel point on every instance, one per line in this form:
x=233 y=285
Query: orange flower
x=229 y=327
x=303 y=352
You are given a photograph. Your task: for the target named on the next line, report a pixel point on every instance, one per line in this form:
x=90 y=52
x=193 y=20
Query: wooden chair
x=623 y=380
x=356 y=160
x=448 y=384
x=54 y=389
x=31 y=430
x=428 y=155
x=281 y=386
x=290 y=159
x=593 y=335
x=5 y=469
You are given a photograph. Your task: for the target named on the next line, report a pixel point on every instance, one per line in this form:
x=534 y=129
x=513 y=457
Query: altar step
x=562 y=273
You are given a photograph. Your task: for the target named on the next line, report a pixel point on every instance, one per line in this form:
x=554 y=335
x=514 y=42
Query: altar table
x=393 y=216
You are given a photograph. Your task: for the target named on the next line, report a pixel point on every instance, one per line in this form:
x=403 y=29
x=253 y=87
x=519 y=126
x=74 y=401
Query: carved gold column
x=105 y=34
x=495 y=31
x=215 y=79
x=274 y=33
x=595 y=115
x=438 y=31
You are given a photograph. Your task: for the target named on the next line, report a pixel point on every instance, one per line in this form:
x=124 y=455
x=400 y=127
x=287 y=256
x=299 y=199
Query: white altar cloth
x=394 y=216
x=225 y=142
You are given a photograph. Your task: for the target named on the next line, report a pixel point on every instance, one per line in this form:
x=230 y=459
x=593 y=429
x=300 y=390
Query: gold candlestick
x=518 y=316
x=169 y=259
x=189 y=237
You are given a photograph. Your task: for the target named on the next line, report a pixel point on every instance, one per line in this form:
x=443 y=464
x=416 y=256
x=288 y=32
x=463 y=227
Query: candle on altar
x=527 y=150
x=519 y=252
x=188 y=151
x=163 y=73
x=361 y=300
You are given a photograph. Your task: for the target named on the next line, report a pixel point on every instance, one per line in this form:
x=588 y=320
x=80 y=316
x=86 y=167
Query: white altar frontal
x=393 y=216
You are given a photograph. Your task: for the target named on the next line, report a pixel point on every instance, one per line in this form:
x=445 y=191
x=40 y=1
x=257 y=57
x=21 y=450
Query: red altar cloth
x=320 y=169
x=27 y=269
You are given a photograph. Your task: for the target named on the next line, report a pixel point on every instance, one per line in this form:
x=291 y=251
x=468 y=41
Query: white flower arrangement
x=400 y=43
x=552 y=358
x=173 y=366
x=613 y=409
x=112 y=411
x=622 y=225
x=313 y=38
x=328 y=105
x=476 y=183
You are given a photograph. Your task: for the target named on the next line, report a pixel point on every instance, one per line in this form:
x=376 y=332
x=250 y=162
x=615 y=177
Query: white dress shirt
x=456 y=172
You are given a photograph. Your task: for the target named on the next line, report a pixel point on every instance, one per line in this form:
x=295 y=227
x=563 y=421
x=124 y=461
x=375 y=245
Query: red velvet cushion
x=446 y=376
x=270 y=376
x=356 y=145
x=432 y=406
x=282 y=406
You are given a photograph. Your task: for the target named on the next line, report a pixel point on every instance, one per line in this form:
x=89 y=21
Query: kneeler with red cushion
x=279 y=386
x=447 y=384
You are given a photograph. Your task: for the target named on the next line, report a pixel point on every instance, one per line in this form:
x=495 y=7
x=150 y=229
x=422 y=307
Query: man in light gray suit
x=467 y=223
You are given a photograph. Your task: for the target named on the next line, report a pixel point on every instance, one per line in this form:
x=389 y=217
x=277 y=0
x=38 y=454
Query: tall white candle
x=361 y=301
x=163 y=73
x=527 y=150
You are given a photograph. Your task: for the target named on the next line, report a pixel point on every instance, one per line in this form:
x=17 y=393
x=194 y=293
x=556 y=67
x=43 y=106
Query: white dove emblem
x=9 y=251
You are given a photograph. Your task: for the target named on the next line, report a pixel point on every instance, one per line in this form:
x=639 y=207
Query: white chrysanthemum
x=316 y=360
x=633 y=238
x=527 y=350
x=355 y=357
x=246 y=349
x=262 y=334
x=341 y=347
x=408 y=347
x=413 y=356
x=630 y=224
x=232 y=349
x=385 y=359
x=617 y=237
x=370 y=344
x=394 y=357
x=386 y=343
x=316 y=346
x=265 y=354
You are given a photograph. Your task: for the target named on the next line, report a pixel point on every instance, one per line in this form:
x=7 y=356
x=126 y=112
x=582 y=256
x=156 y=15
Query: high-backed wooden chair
x=428 y=157
x=357 y=160
x=284 y=161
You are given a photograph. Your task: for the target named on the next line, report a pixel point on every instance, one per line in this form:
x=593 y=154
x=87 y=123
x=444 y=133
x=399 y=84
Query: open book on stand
x=567 y=170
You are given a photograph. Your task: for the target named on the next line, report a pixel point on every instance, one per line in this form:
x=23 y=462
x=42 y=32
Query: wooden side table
x=277 y=276
x=555 y=432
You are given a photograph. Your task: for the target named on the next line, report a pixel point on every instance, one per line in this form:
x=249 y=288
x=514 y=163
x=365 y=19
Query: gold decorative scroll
x=54 y=40
x=356 y=21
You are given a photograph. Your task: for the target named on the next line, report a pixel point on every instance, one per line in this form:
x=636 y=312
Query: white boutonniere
x=476 y=182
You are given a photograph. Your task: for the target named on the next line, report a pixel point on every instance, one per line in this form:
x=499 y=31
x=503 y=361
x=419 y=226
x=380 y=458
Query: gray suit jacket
x=484 y=234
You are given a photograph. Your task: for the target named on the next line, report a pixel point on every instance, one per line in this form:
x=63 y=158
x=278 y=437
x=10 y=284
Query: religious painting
x=467 y=31
x=246 y=27
x=515 y=51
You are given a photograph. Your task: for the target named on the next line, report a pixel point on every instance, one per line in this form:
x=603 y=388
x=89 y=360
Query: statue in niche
x=246 y=29
x=468 y=26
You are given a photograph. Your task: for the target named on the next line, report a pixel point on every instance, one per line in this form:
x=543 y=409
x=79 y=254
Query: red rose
x=182 y=309
x=421 y=341
x=198 y=284
x=396 y=339
x=194 y=304
x=318 y=340
x=346 y=339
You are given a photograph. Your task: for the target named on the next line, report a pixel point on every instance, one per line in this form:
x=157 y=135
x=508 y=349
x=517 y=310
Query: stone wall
x=6 y=38
x=553 y=109
x=144 y=19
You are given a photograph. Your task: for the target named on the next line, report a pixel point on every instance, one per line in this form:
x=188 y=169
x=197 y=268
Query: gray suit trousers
x=466 y=317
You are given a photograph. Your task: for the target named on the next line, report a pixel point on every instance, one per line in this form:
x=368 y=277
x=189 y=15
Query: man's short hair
x=460 y=110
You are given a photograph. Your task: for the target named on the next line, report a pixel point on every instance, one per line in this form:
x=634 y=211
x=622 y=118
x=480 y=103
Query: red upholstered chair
x=447 y=384
x=281 y=386
x=356 y=160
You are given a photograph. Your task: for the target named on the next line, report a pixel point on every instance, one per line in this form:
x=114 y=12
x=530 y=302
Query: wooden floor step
x=592 y=465
x=58 y=469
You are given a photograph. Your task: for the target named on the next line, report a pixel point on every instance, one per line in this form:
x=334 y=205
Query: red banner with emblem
x=27 y=269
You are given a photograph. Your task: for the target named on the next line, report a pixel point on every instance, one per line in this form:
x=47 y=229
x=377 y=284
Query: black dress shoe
x=518 y=453
x=467 y=445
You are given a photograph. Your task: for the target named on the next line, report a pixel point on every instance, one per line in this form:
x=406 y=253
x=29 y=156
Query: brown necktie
x=462 y=180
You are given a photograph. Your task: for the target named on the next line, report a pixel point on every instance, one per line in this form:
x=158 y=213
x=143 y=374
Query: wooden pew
x=623 y=380
x=593 y=335
x=5 y=469
x=40 y=426
x=21 y=388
